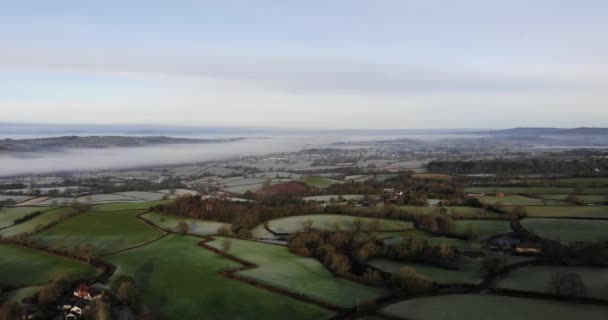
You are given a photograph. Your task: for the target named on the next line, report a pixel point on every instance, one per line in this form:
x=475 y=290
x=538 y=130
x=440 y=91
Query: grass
x=536 y=190
x=25 y=266
x=519 y=200
x=281 y=268
x=568 y=230
x=484 y=229
x=468 y=271
x=128 y=206
x=179 y=280
x=537 y=278
x=479 y=306
x=106 y=231
x=574 y=182
x=565 y=211
x=9 y=215
x=588 y=199
x=432 y=176
x=329 y=221
x=19 y=294
x=327 y=198
x=198 y=227
x=319 y=182
x=32 y=225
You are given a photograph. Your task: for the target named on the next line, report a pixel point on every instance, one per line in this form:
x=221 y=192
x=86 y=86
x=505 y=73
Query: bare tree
x=227 y=245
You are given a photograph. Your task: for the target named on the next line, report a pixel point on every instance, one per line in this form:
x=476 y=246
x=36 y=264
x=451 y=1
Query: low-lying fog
x=129 y=157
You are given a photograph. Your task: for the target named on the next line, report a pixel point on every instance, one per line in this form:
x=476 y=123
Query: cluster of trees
x=413 y=188
x=585 y=166
x=345 y=253
x=417 y=249
x=242 y=215
x=342 y=252
x=439 y=223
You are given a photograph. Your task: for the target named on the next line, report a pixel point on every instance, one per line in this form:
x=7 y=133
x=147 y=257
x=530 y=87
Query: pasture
x=196 y=226
x=483 y=306
x=483 y=229
x=330 y=221
x=565 y=211
x=177 y=259
x=519 y=200
x=585 y=198
x=432 y=176
x=536 y=190
x=143 y=195
x=335 y=197
x=319 y=182
x=9 y=215
x=573 y=182
x=537 y=278
x=468 y=271
x=106 y=231
x=35 y=224
x=568 y=230
x=19 y=294
x=279 y=267
x=128 y=206
x=25 y=266
x=17 y=199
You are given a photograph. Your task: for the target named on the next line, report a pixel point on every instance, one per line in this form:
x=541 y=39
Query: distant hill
x=549 y=131
x=54 y=143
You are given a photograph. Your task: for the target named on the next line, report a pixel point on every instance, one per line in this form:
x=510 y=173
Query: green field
x=196 y=226
x=179 y=280
x=574 y=182
x=19 y=294
x=519 y=200
x=25 y=266
x=106 y=231
x=585 y=198
x=328 y=198
x=329 y=221
x=128 y=205
x=536 y=190
x=432 y=176
x=537 y=278
x=468 y=271
x=568 y=230
x=565 y=211
x=484 y=229
x=279 y=267
x=32 y=225
x=319 y=182
x=9 y=215
x=479 y=306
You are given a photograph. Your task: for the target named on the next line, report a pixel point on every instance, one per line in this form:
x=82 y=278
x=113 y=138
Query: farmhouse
x=476 y=195
x=83 y=292
x=528 y=248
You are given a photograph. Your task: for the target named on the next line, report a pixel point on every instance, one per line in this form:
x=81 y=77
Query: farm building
x=528 y=248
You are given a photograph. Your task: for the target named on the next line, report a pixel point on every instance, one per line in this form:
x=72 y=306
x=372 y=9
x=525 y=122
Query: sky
x=379 y=64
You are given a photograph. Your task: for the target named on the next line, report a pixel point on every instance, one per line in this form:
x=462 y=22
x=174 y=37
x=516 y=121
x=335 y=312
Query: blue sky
x=306 y=64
